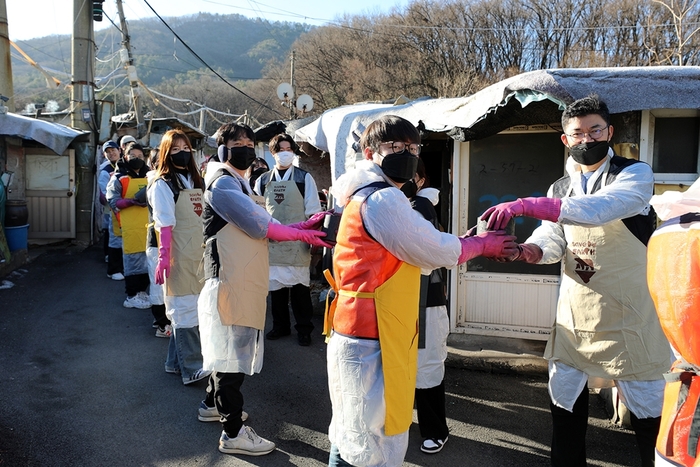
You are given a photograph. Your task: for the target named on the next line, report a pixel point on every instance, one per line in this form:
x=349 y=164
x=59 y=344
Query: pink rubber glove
x=488 y=244
x=543 y=208
x=286 y=233
x=526 y=252
x=529 y=253
x=314 y=222
x=124 y=203
x=163 y=266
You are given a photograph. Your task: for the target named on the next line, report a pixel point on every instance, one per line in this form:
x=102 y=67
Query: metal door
x=50 y=190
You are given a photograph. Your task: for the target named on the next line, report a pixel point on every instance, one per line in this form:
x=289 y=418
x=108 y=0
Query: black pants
x=115 y=262
x=224 y=392
x=646 y=430
x=136 y=283
x=569 y=434
x=430 y=405
x=105 y=241
x=159 y=318
x=301 y=307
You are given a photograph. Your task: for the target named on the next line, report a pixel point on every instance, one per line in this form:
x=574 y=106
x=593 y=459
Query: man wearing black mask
x=597 y=221
x=382 y=244
x=232 y=304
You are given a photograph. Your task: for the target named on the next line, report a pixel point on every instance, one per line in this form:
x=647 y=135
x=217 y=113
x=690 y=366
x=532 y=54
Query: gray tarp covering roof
x=530 y=98
x=54 y=136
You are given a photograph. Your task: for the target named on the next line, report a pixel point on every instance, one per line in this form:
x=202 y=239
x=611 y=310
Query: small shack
x=503 y=143
x=37 y=169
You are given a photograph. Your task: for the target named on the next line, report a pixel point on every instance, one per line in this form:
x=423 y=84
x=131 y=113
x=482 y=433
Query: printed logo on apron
x=196 y=200
x=584 y=267
x=279 y=194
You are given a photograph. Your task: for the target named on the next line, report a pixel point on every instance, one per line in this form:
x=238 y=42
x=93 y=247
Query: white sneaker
x=211 y=414
x=117 y=276
x=136 y=302
x=144 y=297
x=165 y=331
x=247 y=442
x=198 y=375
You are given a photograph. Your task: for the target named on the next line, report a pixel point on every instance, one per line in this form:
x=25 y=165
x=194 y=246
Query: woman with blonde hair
x=175 y=197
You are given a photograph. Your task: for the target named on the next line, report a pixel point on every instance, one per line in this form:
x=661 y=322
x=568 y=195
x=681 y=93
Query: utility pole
x=128 y=59
x=292 y=108
x=203 y=120
x=6 y=88
x=83 y=113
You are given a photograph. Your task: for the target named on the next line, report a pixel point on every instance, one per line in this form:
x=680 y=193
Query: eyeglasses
x=594 y=134
x=397 y=147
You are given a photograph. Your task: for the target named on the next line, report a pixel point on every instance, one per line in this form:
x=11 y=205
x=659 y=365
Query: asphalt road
x=82 y=384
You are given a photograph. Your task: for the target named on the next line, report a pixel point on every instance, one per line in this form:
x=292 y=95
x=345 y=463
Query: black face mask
x=410 y=189
x=241 y=157
x=181 y=159
x=135 y=164
x=400 y=167
x=589 y=153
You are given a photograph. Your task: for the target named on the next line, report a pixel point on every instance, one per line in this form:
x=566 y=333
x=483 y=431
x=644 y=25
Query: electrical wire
x=202 y=107
x=109 y=58
x=202 y=60
x=113 y=24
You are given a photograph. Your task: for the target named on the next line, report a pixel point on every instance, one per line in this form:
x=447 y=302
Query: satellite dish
x=285 y=91
x=305 y=103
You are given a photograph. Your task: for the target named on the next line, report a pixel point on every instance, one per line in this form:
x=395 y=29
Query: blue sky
x=37 y=18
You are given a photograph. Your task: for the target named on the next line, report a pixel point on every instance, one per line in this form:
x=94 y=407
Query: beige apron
x=186 y=250
x=243 y=274
x=606 y=324
x=284 y=202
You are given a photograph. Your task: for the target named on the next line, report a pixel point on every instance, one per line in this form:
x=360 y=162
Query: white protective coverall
x=358 y=431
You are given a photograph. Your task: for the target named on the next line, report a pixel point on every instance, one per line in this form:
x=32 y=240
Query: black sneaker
x=276 y=334
x=304 y=340
x=432 y=445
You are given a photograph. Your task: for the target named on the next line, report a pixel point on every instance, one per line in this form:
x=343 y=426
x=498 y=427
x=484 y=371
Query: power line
x=205 y=63
x=185 y=101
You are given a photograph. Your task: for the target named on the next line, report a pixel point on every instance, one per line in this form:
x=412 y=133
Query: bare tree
x=685 y=17
x=448 y=48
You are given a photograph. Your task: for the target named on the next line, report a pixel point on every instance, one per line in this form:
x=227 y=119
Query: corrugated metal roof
x=54 y=136
x=528 y=98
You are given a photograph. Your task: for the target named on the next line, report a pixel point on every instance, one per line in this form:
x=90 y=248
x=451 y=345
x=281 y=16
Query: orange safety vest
x=673 y=276
x=677 y=443
x=377 y=297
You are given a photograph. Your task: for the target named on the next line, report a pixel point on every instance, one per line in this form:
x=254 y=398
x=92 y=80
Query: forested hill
x=235 y=46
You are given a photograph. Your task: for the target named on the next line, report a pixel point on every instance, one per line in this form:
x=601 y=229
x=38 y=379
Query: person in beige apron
x=290 y=196
x=175 y=196
x=132 y=216
x=597 y=221
x=233 y=301
x=372 y=325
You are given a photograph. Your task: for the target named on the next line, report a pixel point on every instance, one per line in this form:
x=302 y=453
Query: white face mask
x=285 y=158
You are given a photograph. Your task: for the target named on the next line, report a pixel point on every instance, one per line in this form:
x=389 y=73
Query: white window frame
x=646 y=143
